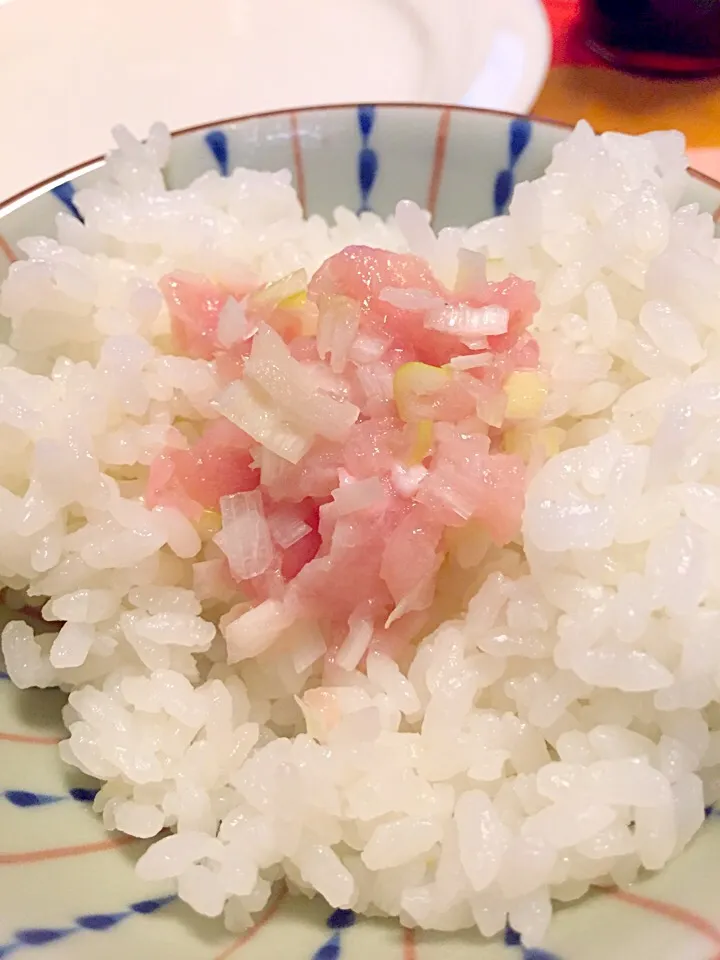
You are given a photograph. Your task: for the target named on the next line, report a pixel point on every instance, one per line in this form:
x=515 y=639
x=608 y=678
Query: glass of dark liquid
x=666 y=37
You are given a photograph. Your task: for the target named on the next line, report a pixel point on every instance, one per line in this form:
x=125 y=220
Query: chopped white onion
x=292 y=386
x=308 y=644
x=406 y=480
x=210 y=579
x=469 y=322
x=471 y=361
x=256 y=631
x=233 y=324
x=337 y=328
x=418 y=598
x=491 y=409
x=272 y=467
x=355 y=644
x=288 y=286
x=408 y=298
x=376 y=380
x=471 y=274
x=367 y=349
x=245 y=537
x=253 y=411
x=286 y=528
x=357 y=495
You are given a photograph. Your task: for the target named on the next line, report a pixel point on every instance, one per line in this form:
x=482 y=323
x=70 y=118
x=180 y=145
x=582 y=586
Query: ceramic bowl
x=82 y=68
x=67 y=888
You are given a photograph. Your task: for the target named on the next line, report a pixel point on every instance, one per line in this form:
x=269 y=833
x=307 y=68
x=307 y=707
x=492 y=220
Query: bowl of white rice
x=360 y=544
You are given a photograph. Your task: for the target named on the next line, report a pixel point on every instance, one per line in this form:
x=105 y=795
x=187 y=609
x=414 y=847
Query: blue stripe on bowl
x=65 y=193
x=368 y=159
x=512 y=938
x=93 y=922
x=519 y=135
x=28 y=798
x=337 y=921
x=217 y=143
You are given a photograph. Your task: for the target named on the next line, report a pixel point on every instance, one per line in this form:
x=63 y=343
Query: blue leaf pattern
x=65 y=193
x=519 y=133
x=337 y=921
x=368 y=160
x=217 y=142
x=93 y=922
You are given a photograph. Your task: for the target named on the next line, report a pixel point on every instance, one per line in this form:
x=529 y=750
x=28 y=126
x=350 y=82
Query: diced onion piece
x=406 y=298
x=233 y=324
x=253 y=411
x=272 y=467
x=292 y=386
x=287 y=528
x=308 y=644
x=471 y=361
x=210 y=580
x=376 y=380
x=416 y=379
x=281 y=290
x=469 y=323
x=357 y=495
x=419 y=598
x=406 y=480
x=526 y=393
x=471 y=274
x=491 y=408
x=445 y=487
x=337 y=328
x=355 y=644
x=367 y=349
x=245 y=536
x=256 y=631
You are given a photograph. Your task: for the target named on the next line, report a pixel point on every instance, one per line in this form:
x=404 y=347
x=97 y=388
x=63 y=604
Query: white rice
x=561 y=731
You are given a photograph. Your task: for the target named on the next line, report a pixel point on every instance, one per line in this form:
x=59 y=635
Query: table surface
x=581 y=85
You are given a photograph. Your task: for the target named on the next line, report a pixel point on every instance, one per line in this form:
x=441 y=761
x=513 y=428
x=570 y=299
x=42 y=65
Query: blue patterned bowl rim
x=44 y=186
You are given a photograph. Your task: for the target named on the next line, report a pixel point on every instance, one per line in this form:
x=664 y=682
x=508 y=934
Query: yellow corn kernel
x=285 y=288
x=526 y=393
x=516 y=441
x=294 y=301
x=546 y=441
x=551 y=439
x=422 y=442
x=416 y=379
x=209 y=524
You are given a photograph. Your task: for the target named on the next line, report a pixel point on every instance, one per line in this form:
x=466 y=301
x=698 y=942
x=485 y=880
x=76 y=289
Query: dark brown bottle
x=668 y=37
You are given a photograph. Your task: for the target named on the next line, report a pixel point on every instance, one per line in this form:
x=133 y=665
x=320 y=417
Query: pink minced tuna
x=362 y=421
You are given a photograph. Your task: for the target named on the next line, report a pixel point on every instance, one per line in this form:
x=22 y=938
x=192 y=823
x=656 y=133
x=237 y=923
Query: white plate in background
x=71 y=69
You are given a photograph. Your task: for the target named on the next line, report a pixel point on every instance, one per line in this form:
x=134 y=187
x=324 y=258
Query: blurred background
x=71 y=69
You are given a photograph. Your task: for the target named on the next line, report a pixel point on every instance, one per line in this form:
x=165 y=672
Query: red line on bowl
x=7 y=250
x=671 y=911
x=439 y=159
x=249 y=934
x=60 y=853
x=408 y=944
x=298 y=161
x=29 y=739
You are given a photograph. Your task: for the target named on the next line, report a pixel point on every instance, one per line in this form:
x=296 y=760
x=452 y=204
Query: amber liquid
x=668 y=37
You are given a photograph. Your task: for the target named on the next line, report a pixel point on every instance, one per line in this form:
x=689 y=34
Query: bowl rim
x=24 y=196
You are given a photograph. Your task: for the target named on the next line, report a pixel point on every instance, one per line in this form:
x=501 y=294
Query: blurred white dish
x=71 y=69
